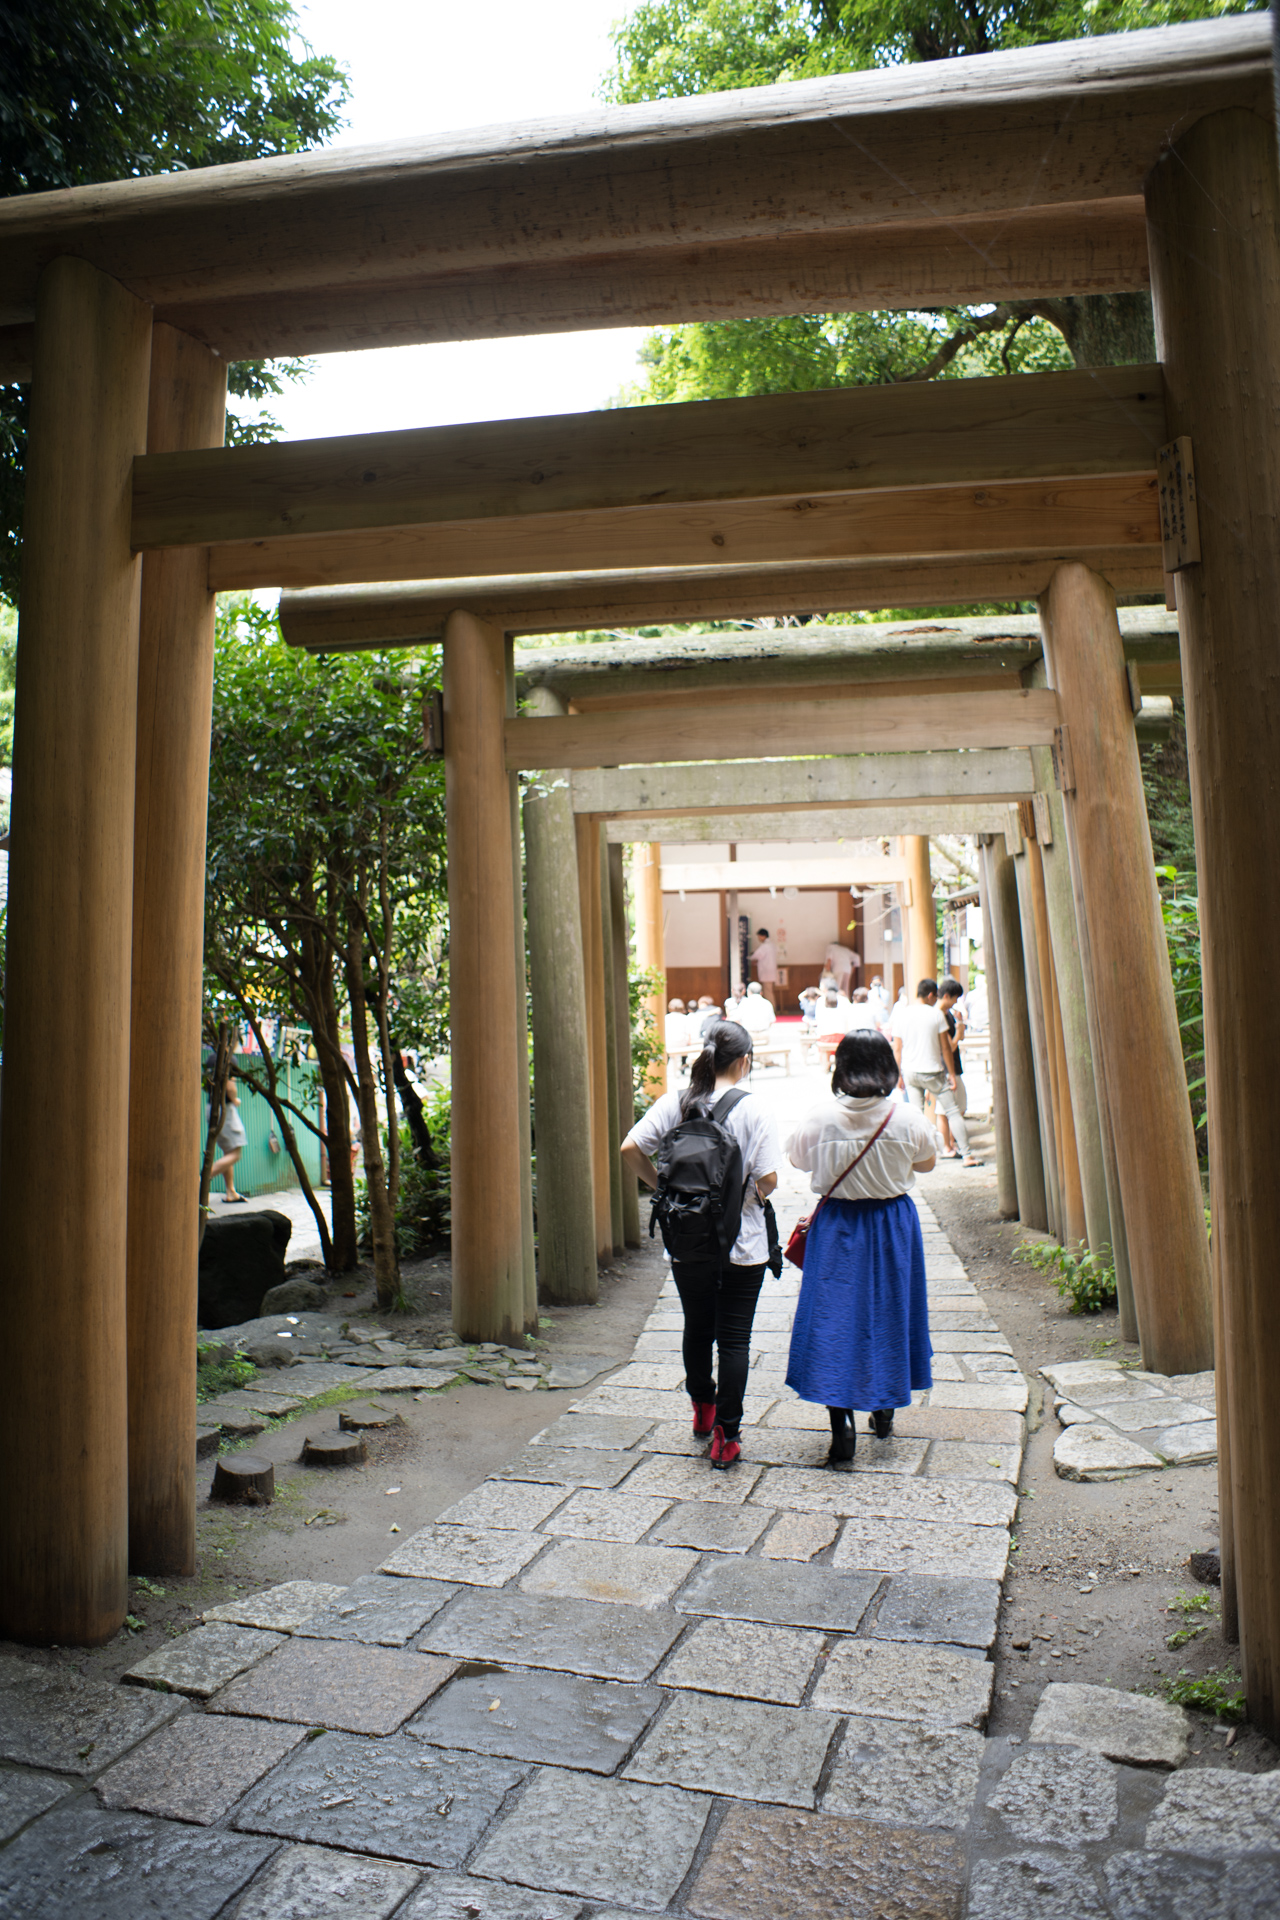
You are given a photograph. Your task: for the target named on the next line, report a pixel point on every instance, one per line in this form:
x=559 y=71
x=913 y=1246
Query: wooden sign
x=1179 y=521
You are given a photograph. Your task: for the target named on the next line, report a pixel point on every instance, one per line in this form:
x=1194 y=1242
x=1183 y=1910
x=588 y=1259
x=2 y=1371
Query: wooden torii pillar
x=921 y=916
x=1213 y=217
x=64 y=1147
x=1001 y=888
x=646 y=876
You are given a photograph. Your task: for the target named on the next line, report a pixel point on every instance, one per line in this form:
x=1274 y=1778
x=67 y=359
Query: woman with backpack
x=712 y=1155
x=861 y=1331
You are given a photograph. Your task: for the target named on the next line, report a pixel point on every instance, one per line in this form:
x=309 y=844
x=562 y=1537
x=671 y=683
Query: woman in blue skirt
x=861 y=1333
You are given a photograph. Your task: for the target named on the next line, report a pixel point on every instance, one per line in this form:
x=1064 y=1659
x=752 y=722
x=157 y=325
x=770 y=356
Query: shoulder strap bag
x=800 y=1232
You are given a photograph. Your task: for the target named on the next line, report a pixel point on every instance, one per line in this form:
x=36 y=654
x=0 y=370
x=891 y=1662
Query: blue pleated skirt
x=861 y=1333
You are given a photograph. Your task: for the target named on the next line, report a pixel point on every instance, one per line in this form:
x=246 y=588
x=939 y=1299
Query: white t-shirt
x=755 y=1014
x=765 y=961
x=834 y=1019
x=754 y=1128
x=830 y=1135
x=734 y=1009
x=862 y=1016
x=678 y=1031
x=921 y=1030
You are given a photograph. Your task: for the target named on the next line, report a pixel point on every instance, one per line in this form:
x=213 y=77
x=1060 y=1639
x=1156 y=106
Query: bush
x=1087 y=1279
x=423 y=1213
x=215 y=1375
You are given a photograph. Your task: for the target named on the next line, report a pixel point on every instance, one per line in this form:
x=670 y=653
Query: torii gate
x=1072 y=168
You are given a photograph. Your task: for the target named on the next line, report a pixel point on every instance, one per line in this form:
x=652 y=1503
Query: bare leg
x=226 y=1167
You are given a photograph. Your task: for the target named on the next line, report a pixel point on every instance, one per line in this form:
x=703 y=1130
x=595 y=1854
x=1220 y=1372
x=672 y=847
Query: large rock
x=1127 y=1727
x=295 y=1296
x=241 y=1259
x=1098 y=1452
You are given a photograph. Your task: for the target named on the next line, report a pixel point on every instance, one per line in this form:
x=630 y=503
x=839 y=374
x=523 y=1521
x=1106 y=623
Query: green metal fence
x=265 y=1166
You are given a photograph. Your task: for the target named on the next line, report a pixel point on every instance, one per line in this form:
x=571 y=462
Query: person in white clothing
x=678 y=1029
x=862 y=1015
x=734 y=1005
x=232 y=1138
x=844 y=963
x=765 y=962
x=834 y=1013
x=926 y=1062
x=757 y=1016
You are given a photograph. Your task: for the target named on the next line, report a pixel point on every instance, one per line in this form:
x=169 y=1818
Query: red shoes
x=724 y=1452
x=704 y=1418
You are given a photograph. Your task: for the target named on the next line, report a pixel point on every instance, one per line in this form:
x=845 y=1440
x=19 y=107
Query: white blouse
x=832 y=1133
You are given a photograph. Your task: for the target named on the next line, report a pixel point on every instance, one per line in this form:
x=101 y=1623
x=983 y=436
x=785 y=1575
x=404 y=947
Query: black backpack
x=701 y=1185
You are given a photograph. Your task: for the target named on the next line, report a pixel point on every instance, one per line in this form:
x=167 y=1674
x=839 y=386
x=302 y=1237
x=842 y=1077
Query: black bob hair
x=864 y=1065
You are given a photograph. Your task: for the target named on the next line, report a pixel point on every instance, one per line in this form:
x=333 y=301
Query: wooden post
x=561 y=1069
x=175 y=692
x=1214 y=232
x=64 y=1150
x=1151 y=1113
x=920 y=919
x=609 y=983
x=1015 y=1034
x=524 y=1104
x=1039 y=1047
x=488 y=1238
x=1006 y=1181
x=646 y=876
x=588 y=838
x=622 y=1027
x=1073 y=1220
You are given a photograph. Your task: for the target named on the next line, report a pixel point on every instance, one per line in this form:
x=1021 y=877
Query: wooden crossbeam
x=901 y=724
x=322 y=251
x=872 y=780
x=817 y=824
x=1063 y=518
x=856 y=439
x=757 y=876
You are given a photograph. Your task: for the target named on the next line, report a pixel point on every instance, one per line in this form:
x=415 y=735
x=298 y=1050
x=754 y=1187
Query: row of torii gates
x=1098 y=166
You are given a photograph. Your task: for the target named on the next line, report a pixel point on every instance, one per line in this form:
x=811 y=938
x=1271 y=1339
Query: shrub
x=423 y=1215
x=1087 y=1279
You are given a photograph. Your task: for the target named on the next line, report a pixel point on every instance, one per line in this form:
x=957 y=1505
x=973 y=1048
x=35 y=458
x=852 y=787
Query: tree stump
x=247 y=1477
x=334 y=1450
x=359 y=1419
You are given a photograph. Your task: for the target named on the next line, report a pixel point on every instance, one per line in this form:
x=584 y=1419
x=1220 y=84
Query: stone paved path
x=612 y=1683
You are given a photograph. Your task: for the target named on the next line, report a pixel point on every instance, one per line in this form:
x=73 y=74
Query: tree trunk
x=382 y=1225
x=268 y=1087
x=322 y=1005
x=217 y=1102
x=1107 y=329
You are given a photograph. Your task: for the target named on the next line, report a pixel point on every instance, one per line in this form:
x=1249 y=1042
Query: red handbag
x=800 y=1231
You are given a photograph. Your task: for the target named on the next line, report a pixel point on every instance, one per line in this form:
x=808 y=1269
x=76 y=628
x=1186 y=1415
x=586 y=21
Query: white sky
x=420 y=67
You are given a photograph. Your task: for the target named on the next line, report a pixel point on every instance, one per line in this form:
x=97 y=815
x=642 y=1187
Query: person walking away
x=844 y=963
x=926 y=1061
x=765 y=962
x=677 y=1032
x=757 y=1014
x=718 y=1285
x=861 y=1332
x=833 y=1013
x=232 y=1138
x=879 y=1000
x=950 y=1002
x=862 y=1015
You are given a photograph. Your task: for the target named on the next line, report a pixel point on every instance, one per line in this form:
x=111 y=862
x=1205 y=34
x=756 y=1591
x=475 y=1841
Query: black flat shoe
x=843 y=1447
x=881 y=1423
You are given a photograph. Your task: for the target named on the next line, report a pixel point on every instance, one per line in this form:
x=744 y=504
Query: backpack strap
x=727 y=1102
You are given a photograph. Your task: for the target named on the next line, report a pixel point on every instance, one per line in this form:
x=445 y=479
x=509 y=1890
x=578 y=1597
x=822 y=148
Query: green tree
x=325 y=882
x=96 y=90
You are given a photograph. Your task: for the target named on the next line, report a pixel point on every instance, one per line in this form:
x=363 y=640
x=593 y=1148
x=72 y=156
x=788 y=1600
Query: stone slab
x=886 y=1546
x=1071 y=1415
x=886 y=1680
x=994 y=1397
x=623 y=1575
x=1065 y=1799
x=411 y=1379
x=605 y=1839
x=961 y=1612
x=1068 y=1375
x=397 y=1798
x=25 y=1796
x=967 y=1334
x=968 y=1320
x=773 y=1864
x=884 y=1497
x=511 y=1506
x=557 y=1719
x=1132 y=1416
x=1215 y=1812
x=610 y=1431
x=666 y=1375
x=311 y=1378
x=1163 y=1886
x=569 y=1466
x=961 y=1423
x=380 y=1609
x=1045 y=1885
x=205 y=1659
x=460 y=1896
x=946 y=1366
x=577 y=1370
x=53 y=1717
x=602 y=1513
x=278 y=1609
x=573 y=1636
x=1191 y=1446
x=234 y=1423
x=197 y=1767
x=1200 y=1387
x=776 y=1592
x=799 y=1536
x=664 y=1476
x=741 y=1748
x=262 y=1400
x=743 y=1658
x=1120 y=1390
x=337 y=1683
x=1120 y=1726
x=81 y=1862
x=909 y=1776
x=473 y=1556
x=711 y=1528
x=971 y=1460
x=1095 y=1451
x=652 y=1404
x=988 y=1366
x=302 y=1883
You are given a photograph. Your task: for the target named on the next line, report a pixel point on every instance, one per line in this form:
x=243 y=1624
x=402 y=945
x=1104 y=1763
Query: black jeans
x=719 y=1306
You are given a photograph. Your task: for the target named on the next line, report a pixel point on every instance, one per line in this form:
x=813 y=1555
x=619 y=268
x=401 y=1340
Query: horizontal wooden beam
x=322 y=251
x=901 y=723
x=757 y=876
x=400 y=614
x=819 y=825
x=1049 y=518
x=855 y=439
x=872 y=780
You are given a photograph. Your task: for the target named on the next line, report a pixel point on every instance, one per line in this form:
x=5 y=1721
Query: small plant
x=1220 y=1692
x=215 y=1376
x=1087 y=1279
x=1190 y=1603
x=148 y=1586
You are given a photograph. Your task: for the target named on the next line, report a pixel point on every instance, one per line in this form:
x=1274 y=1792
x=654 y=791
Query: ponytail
x=726 y=1043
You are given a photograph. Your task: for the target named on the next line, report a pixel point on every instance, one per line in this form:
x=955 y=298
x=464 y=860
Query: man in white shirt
x=679 y=1030
x=862 y=1015
x=834 y=1013
x=844 y=963
x=757 y=1016
x=734 y=1005
x=765 y=962
x=926 y=1061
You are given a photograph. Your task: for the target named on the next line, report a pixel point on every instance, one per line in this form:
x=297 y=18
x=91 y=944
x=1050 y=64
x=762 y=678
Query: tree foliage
x=96 y=90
